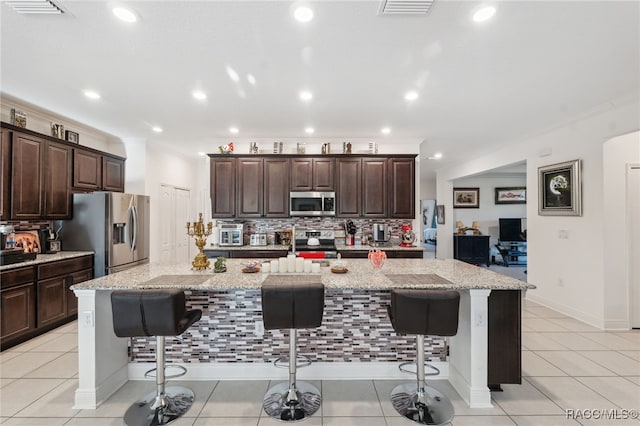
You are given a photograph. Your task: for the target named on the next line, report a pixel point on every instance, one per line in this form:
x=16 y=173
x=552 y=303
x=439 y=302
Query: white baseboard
x=89 y=399
x=585 y=317
x=266 y=371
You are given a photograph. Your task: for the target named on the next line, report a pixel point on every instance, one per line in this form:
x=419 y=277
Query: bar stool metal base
x=174 y=403
x=430 y=408
x=292 y=405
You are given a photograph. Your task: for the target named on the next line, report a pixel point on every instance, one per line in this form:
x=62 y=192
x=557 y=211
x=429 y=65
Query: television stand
x=512 y=252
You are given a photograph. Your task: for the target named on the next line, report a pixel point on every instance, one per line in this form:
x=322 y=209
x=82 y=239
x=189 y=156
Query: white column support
x=469 y=349
x=102 y=357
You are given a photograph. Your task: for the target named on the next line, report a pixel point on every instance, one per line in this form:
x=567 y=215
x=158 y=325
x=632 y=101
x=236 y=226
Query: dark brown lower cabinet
x=505 y=344
x=18 y=304
x=52 y=301
x=36 y=299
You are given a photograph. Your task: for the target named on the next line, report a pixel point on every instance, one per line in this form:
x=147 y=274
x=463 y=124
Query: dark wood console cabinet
x=505 y=339
x=471 y=248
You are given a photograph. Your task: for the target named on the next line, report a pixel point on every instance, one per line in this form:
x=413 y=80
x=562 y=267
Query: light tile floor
x=566 y=365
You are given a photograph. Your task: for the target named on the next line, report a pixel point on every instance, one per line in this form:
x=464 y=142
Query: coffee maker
x=381 y=234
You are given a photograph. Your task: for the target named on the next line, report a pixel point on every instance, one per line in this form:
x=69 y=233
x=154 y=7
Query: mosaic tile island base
x=355 y=325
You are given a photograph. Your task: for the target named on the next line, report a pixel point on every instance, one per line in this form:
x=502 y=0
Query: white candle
x=266 y=267
x=291 y=263
x=307 y=265
x=299 y=264
x=274 y=266
x=282 y=262
x=315 y=268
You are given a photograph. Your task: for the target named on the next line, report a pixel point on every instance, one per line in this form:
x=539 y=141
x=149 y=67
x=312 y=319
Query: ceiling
x=534 y=66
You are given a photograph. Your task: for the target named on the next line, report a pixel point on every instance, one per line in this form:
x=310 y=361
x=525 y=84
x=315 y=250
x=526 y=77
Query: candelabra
x=198 y=231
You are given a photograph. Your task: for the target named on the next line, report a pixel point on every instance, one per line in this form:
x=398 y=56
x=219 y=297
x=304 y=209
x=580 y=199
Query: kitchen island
x=356 y=340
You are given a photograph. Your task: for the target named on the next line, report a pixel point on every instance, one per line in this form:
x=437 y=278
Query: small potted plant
x=220 y=264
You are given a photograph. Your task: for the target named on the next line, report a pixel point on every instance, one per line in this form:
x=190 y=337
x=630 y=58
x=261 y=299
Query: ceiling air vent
x=405 y=7
x=43 y=7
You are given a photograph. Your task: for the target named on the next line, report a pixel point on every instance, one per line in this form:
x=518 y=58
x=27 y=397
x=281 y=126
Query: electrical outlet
x=86 y=319
x=563 y=234
x=560 y=282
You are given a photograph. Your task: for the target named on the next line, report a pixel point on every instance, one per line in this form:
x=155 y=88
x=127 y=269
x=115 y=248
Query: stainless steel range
x=316 y=243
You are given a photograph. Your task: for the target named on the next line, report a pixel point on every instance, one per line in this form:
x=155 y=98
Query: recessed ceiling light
x=309 y=130
x=251 y=79
x=157 y=129
x=385 y=130
x=125 y=14
x=201 y=153
x=91 y=94
x=306 y=95
x=484 y=14
x=234 y=130
x=411 y=96
x=199 y=95
x=303 y=14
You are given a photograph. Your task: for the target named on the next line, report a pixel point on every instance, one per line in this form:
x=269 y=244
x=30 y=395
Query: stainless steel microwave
x=312 y=203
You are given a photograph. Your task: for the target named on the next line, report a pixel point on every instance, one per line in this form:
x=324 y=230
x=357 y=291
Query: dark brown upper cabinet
x=262 y=187
x=57 y=182
x=5 y=174
x=249 y=192
x=27 y=177
x=312 y=174
x=276 y=182
x=349 y=191
x=402 y=177
x=223 y=186
x=374 y=187
x=87 y=169
x=112 y=174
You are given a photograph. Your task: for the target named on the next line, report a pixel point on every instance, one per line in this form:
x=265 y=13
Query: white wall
x=489 y=212
x=569 y=273
x=39 y=120
x=617 y=154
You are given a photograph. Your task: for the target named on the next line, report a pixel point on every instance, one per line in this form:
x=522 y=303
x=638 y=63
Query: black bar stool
x=423 y=312
x=157 y=313
x=292 y=306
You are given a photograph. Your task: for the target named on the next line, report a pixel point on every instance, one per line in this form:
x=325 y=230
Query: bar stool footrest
x=435 y=370
x=283 y=362
x=151 y=373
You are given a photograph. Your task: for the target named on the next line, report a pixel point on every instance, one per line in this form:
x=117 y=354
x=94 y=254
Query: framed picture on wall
x=466 y=198
x=440 y=214
x=560 y=189
x=515 y=195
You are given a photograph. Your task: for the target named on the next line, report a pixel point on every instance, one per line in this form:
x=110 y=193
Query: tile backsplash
x=364 y=226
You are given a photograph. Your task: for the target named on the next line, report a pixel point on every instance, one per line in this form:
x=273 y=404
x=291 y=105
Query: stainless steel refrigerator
x=112 y=224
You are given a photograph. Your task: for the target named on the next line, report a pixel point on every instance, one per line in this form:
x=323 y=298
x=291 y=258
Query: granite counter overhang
x=360 y=276
x=46 y=258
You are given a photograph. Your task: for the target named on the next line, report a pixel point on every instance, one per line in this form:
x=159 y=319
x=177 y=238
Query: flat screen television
x=511 y=229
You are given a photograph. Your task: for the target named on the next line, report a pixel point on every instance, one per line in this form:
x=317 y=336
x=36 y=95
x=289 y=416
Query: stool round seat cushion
x=151 y=313
x=292 y=305
x=423 y=311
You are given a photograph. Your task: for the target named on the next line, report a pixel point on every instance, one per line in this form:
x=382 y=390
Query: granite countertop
x=411 y=273
x=44 y=258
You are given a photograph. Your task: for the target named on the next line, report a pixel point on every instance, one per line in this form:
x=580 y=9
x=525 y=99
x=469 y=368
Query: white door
x=167 y=227
x=633 y=195
x=182 y=216
x=174 y=242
